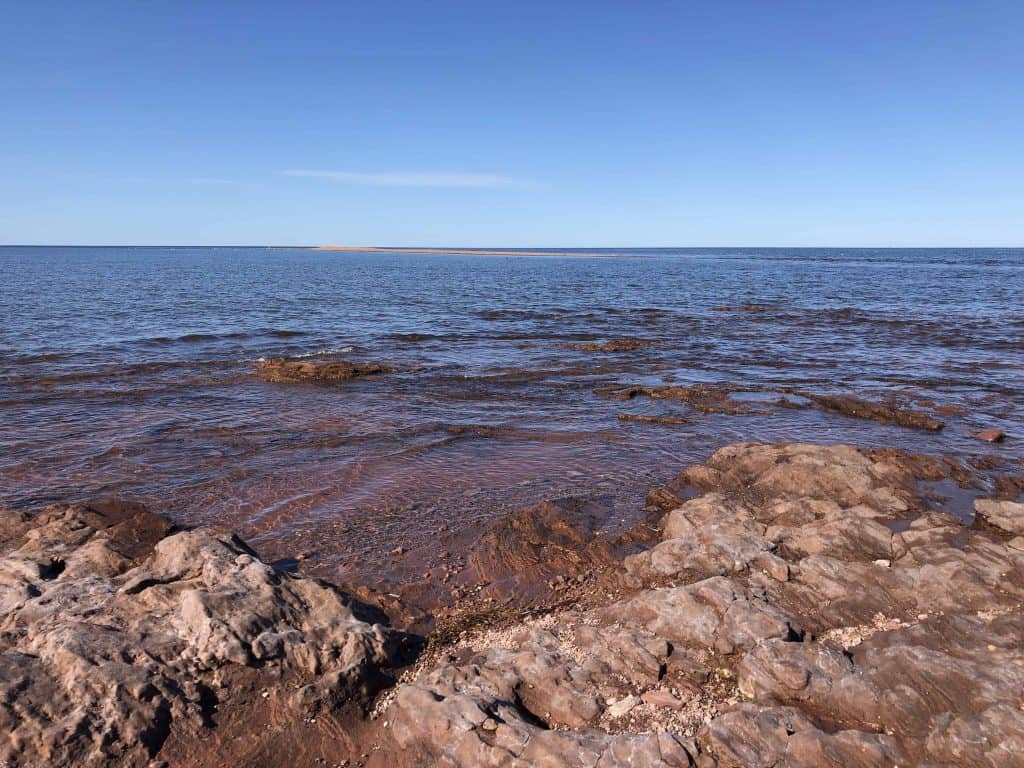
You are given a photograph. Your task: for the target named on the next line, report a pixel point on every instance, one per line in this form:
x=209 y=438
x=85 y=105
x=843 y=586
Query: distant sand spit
x=466 y=251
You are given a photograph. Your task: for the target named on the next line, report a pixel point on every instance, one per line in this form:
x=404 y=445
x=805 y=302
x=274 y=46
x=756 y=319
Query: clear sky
x=513 y=123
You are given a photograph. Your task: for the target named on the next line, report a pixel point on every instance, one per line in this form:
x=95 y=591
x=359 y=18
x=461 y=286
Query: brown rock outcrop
x=703 y=398
x=282 y=370
x=616 y=345
x=855 y=407
x=722 y=398
x=806 y=611
x=991 y=435
x=1007 y=515
x=115 y=630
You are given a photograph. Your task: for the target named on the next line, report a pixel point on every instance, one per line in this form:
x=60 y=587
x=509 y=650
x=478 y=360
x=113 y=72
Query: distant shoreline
x=463 y=251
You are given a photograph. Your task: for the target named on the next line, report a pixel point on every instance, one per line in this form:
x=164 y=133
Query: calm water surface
x=129 y=372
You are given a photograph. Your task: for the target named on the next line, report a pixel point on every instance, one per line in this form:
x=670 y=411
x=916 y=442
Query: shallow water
x=130 y=372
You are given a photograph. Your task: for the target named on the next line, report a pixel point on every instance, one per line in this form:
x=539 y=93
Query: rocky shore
x=782 y=605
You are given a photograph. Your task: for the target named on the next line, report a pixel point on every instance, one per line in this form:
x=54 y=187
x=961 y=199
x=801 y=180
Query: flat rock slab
x=1008 y=515
x=279 y=370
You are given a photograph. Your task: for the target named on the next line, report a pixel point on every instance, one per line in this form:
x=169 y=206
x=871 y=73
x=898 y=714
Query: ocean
x=130 y=373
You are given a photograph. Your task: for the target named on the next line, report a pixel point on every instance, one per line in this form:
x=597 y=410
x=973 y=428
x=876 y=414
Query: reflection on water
x=129 y=372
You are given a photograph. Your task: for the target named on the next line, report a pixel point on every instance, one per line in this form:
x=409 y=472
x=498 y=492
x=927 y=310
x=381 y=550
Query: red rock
x=991 y=435
x=661 y=699
x=282 y=370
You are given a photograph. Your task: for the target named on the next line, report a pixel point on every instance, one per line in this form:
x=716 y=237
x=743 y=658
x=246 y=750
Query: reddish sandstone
x=991 y=435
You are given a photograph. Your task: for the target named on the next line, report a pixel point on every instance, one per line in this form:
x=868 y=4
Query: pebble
x=398 y=551
x=661 y=699
x=622 y=707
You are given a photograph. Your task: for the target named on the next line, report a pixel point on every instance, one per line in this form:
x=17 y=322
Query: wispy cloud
x=414 y=178
x=211 y=181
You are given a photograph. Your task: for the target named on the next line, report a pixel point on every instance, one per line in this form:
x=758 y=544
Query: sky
x=530 y=124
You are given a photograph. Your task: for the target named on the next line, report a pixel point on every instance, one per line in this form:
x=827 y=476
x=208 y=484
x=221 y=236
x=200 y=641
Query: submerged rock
x=525 y=549
x=279 y=369
x=703 y=398
x=670 y=420
x=855 y=407
x=616 y=345
x=742 y=400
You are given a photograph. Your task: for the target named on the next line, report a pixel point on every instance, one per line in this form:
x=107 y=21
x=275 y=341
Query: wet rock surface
x=526 y=549
x=117 y=632
x=991 y=435
x=883 y=413
x=668 y=420
x=283 y=370
x=615 y=345
x=702 y=398
x=808 y=609
x=1006 y=515
x=741 y=400
x=781 y=605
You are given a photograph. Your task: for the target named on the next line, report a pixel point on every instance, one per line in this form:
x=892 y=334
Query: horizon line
x=478 y=248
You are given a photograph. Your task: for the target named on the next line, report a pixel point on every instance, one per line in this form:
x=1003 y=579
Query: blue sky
x=513 y=123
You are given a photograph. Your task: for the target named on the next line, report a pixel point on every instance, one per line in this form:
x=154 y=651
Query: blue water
x=130 y=372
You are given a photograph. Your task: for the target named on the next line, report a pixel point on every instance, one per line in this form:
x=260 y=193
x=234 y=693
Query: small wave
x=188 y=338
x=516 y=314
x=117 y=372
x=209 y=336
x=414 y=337
x=42 y=357
x=200 y=336
x=326 y=351
x=304 y=355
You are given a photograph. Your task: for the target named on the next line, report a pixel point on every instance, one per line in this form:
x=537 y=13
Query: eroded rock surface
x=114 y=630
x=806 y=610
x=1007 y=515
